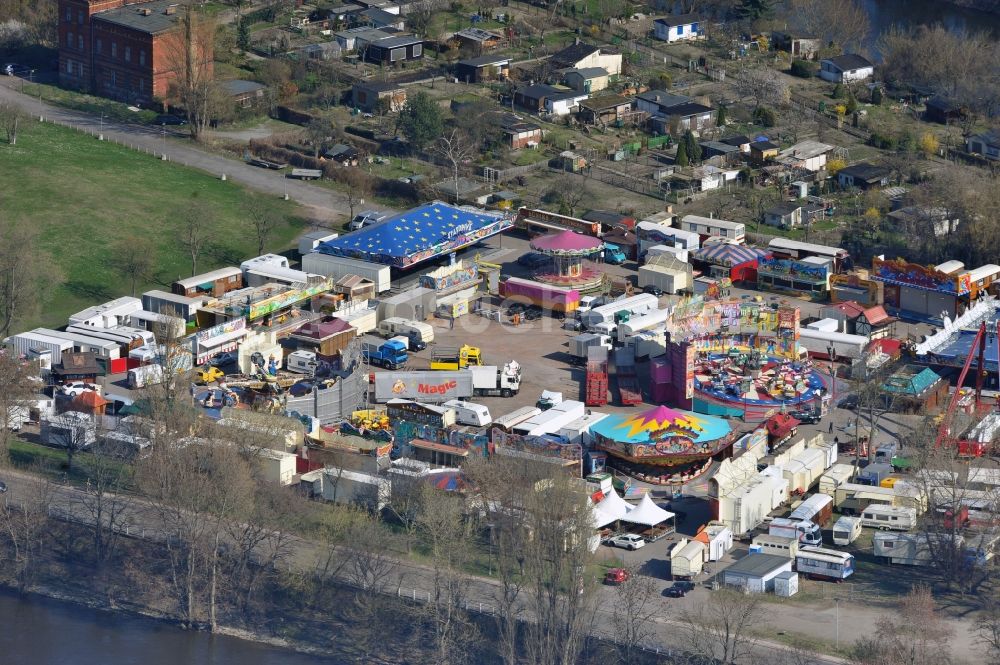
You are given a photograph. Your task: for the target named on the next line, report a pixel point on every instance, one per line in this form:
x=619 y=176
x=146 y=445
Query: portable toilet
x=786 y=584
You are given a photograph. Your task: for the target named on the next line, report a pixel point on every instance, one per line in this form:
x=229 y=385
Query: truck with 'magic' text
x=437 y=386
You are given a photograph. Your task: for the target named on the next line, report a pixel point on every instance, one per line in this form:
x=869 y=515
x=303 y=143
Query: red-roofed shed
x=327 y=337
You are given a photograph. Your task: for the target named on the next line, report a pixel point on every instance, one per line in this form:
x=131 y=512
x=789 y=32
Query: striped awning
x=724 y=254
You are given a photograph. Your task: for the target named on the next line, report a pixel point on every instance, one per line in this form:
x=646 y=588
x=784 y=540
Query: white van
x=302 y=362
x=469 y=413
x=145 y=375
x=896 y=518
x=846 y=530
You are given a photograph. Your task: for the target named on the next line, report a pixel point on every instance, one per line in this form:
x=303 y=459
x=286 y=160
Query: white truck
x=441 y=386
x=806 y=531
x=418 y=333
x=490 y=380
x=469 y=413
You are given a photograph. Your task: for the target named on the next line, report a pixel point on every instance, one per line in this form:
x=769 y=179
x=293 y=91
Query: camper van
x=469 y=413
x=302 y=362
x=846 y=530
x=896 y=518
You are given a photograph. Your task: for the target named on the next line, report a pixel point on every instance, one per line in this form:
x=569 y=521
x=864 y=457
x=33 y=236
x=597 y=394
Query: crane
x=945 y=434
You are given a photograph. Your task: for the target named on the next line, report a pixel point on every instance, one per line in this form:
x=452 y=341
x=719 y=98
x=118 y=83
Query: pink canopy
x=566 y=242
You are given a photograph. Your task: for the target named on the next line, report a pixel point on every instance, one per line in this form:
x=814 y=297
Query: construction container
x=786 y=584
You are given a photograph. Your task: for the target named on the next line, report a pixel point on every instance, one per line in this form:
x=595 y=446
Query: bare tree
x=24 y=519
x=189 y=55
x=843 y=23
x=358 y=188
x=762 y=86
x=134 y=258
x=914 y=635
x=723 y=628
x=633 y=611
x=420 y=13
x=195 y=232
x=11 y=117
x=316 y=133
x=19 y=383
x=456 y=148
x=261 y=219
x=446 y=537
x=988 y=629
x=27 y=274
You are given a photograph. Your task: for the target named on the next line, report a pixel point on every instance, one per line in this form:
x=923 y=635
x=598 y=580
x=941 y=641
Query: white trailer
x=25 y=343
x=647 y=344
x=301 y=362
x=509 y=420
x=469 y=413
x=653 y=320
x=910 y=549
x=659 y=250
x=144 y=375
x=835 y=476
x=744 y=507
x=416 y=330
x=846 y=530
x=818 y=343
x=636 y=305
x=893 y=518
x=101 y=347
x=579 y=344
x=338 y=266
x=578 y=431
x=553 y=420
x=687 y=558
x=803 y=470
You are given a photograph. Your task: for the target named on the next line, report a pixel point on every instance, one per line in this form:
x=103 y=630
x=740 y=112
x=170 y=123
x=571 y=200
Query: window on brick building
x=69 y=66
x=98 y=45
x=69 y=39
x=114 y=49
x=142 y=57
x=79 y=17
x=79 y=42
x=69 y=14
x=114 y=78
x=128 y=54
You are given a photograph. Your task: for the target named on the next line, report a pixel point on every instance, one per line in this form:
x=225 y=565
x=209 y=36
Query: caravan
x=469 y=413
x=846 y=530
x=896 y=518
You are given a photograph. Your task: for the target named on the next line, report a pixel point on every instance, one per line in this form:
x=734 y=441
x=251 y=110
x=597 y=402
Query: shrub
x=765 y=117
x=838 y=91
x=803 y=69
x=876 y=96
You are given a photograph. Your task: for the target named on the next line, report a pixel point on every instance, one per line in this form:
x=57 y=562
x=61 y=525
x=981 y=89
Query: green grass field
x=83 y=195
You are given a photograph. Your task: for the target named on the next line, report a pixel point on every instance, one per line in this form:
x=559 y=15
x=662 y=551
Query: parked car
x=617 y=576
x=74 y=388
x=675 y=591
x=222 y=359
x=850 y=402
x=3 y=487
x=169 y=119
x=654 y=290
x=806 y=416
x=572 y=324
x=209 y=374
x=628 y=541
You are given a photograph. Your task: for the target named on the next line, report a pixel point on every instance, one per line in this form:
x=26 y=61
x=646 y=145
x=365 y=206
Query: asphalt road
x=325 y=206
x=406 y=579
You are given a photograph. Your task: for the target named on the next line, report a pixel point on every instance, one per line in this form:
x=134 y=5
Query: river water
x=884 y=14
x=40 y=631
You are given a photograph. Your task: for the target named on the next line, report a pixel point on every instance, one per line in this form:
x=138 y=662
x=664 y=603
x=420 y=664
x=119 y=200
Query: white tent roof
x=611 y=509
x=647 y=513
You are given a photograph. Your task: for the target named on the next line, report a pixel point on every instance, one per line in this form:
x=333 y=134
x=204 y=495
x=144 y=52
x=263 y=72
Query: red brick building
x=125 y=50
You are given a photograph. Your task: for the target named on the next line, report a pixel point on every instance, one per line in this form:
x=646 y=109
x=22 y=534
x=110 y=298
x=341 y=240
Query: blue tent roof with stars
x=418 y=234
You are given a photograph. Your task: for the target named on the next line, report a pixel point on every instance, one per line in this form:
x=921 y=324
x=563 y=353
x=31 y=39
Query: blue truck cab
x=390 y=354
x=613 y=254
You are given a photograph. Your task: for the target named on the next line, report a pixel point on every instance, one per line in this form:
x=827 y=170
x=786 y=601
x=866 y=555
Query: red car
x=616 y=576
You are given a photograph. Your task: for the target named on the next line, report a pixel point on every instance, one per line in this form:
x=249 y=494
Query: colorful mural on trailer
x=450 y=277
x=541 y=446
x=789 y=269
x=903 y=273
x=713 y=324
x=280 y=301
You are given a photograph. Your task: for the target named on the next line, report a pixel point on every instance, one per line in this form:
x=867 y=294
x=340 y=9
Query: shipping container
x=338 y=266
x=27 y=342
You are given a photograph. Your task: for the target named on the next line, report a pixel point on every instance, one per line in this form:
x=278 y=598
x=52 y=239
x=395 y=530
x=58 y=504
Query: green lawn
x=51 y=462
x=79 y=101
x=83 y=195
